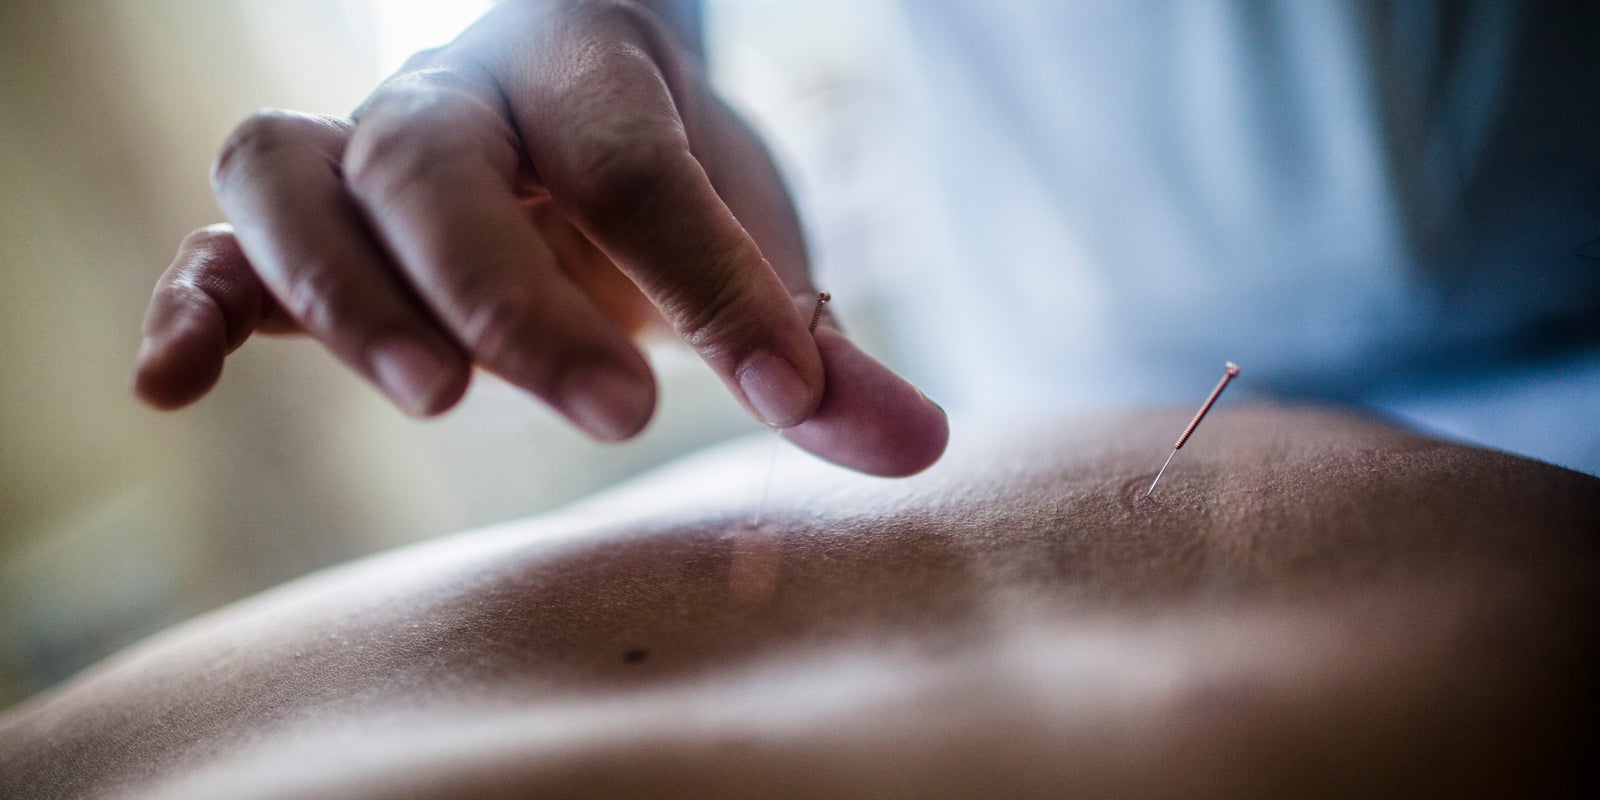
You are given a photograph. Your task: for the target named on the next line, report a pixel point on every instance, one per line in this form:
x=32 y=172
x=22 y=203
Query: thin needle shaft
x=772 y=463
x=1159 y=473
x=1229 y=372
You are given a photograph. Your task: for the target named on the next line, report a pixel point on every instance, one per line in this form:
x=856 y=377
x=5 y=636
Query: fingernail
x=410 y=374
x=607 y=403
x=775 y=389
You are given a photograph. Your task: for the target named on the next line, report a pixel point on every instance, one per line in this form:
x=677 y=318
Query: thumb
x=869 y=418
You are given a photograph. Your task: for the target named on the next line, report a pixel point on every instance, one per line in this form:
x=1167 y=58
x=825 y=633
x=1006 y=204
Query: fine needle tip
x=1158 y=473
x=772 y=462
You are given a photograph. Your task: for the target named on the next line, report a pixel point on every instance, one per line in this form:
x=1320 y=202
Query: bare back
x=1310 y=604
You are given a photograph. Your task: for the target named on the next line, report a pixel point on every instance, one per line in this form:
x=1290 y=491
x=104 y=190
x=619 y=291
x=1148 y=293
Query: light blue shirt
x=1397 y=208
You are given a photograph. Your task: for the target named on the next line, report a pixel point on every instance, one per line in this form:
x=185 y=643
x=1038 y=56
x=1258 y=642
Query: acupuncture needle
x=816 y=313
x=772 y=461
x=1230 y=371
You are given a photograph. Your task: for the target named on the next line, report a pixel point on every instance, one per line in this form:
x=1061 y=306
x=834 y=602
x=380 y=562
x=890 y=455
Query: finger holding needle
x=1229 y=371
x=772 y=461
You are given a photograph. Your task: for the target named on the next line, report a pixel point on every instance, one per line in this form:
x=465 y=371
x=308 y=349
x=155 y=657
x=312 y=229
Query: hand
x=556 y=181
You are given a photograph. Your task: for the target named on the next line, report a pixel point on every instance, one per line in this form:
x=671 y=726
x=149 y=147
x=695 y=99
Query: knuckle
x=633 y=40
x=209 y=258
x=261 y=135
x=386 y=157
x=320 y=298
x=211 y=240
x=416 y=136
x=624 y=15
x=632 y=144
x=712 y=312
x=182 y=298
x=621 y=170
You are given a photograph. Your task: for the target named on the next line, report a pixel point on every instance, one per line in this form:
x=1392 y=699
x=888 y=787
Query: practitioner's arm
x=527 y=199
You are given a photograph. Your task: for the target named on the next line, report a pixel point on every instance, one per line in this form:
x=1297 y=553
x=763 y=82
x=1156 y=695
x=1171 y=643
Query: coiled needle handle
x=816 y=313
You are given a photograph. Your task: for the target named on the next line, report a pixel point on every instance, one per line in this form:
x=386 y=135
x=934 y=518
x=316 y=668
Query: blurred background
x=116 y=520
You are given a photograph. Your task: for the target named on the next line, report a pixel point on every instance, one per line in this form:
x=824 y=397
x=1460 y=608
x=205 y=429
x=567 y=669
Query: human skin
x=531 y=199
x=1310 y=604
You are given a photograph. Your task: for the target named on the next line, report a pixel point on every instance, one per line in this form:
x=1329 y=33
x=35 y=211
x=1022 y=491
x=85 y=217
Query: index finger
x=602 y=127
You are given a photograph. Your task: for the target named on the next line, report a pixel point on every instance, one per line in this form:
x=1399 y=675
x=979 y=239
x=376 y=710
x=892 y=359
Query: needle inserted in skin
x=1229 y=372
x=816 y=316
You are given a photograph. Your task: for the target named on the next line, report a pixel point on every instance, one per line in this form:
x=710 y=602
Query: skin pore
x=1311 y=604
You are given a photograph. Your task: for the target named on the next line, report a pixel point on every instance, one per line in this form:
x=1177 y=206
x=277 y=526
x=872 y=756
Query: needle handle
x=1230 y=371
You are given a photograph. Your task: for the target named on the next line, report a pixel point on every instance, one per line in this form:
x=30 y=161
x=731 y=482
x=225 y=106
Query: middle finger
x=433 y=163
